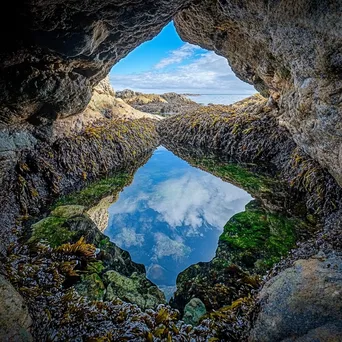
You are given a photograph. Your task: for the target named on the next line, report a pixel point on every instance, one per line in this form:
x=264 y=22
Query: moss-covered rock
x=91 y=286
x=134 y=289
x=52 y=230
x=113 y=266
x=256 y=239
x=92 y=194
x=68 y=211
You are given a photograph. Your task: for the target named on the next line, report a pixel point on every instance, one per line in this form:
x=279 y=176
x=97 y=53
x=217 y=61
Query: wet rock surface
x=193 y=311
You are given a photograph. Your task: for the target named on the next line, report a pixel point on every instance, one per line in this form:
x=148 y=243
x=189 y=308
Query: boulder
x=193 y=311
x=302 y=303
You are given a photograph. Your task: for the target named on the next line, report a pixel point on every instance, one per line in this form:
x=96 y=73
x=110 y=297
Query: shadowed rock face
x=290 y=50
x=57 y=50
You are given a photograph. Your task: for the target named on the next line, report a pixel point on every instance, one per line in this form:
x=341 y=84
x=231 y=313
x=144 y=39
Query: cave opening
x=168 y=64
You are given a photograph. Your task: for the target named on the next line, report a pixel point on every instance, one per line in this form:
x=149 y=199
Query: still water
x=171 y=216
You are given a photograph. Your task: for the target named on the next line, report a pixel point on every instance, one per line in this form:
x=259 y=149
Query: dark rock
x=56 y=52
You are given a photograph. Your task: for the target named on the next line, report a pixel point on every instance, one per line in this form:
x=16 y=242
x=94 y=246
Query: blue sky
x=166 y=63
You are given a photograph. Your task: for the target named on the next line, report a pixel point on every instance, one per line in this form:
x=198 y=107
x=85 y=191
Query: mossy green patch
x=95 y=267
x=237 y=174
x=94 y=192
x=68 y=211
x=52 y=230
x=259 y=237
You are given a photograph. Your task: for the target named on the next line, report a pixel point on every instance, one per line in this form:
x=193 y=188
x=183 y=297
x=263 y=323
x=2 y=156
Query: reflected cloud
x=197 y=200
x=128 y=238
x=167 y=247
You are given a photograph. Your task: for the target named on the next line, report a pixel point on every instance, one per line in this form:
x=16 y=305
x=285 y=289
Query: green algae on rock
x=95 y=191
x=134 y=289
x=193 y=311
x=69 y=223
x=68 y=211
x=91 y=286
x=53 y=230
x=256 y=239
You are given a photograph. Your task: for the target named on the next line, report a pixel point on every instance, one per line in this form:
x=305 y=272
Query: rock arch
x=54 y=52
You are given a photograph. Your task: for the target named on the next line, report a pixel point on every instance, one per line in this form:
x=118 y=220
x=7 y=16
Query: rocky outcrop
x=248 y=132
x=113 y=274
x=57 y=52
x=289 y=50
x=302 y=303
x=252 y=241
x=40 y=175
x=103 y=107
x=164 y=104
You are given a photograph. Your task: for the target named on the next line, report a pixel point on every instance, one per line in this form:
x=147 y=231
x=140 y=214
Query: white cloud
x=177 y=56
x=206 y=73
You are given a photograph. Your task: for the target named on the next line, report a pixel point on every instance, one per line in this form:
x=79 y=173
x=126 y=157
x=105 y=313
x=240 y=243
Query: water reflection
x=171 y=216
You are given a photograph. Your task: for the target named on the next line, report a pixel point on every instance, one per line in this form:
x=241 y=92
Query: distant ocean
x=224 y=99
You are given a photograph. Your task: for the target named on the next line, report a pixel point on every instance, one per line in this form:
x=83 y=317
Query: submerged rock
x=134 y=289
x=15 y=321
x=193 y=311
x=303 y=302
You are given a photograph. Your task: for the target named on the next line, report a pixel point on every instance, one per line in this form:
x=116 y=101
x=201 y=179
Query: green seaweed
x=94 y=192
x=258 y=237
x=52 y=230
x=237 y=174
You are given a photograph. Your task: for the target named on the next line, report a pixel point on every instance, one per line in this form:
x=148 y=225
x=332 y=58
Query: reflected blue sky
x=171 y=216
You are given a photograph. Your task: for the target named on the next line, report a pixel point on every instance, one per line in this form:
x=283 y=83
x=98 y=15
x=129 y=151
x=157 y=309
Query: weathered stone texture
x=290 y=50
x=57 y=51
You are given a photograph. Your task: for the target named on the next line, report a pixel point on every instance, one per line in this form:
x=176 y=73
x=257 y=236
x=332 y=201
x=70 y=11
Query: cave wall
x=54 y=51
x=289 y=49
